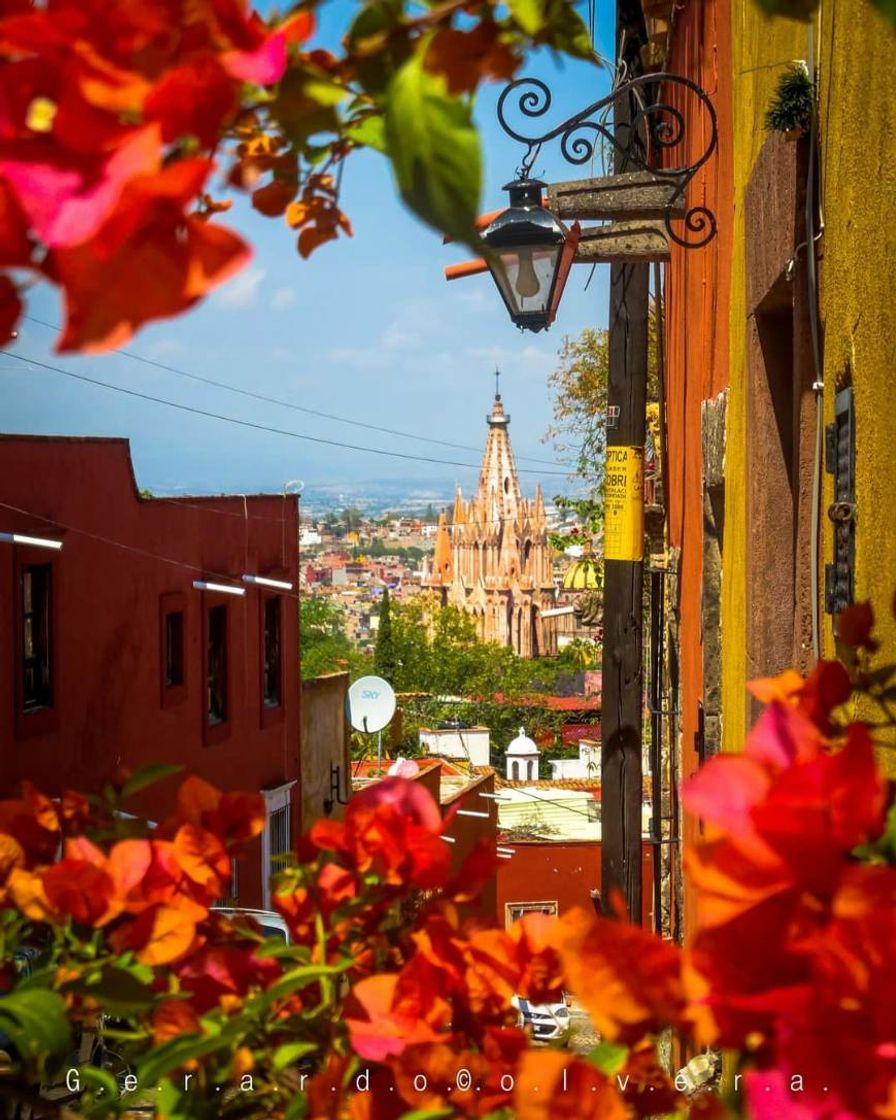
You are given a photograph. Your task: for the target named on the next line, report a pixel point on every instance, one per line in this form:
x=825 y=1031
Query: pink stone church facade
x=494 y=561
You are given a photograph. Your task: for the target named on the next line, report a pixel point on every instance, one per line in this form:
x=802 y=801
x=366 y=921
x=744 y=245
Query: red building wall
x=124 y=557
x=563 y=872
x=697 y=292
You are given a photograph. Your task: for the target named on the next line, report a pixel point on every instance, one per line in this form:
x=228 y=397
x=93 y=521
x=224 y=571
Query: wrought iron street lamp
x=655 y=160
x=532 y=255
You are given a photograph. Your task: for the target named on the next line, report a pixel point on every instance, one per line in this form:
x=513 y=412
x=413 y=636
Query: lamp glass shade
x=527 y=244
x=525 y=278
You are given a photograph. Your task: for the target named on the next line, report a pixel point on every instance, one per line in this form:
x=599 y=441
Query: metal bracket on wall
x=656 y=139
x=335 y=797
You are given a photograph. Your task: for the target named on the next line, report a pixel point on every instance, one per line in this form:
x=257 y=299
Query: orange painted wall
x=697 y=283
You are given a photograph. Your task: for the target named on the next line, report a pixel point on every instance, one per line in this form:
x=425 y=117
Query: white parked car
x=547 y=1020
x=272 y=925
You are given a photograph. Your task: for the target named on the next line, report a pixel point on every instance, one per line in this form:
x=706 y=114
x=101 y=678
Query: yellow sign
x=624 y=504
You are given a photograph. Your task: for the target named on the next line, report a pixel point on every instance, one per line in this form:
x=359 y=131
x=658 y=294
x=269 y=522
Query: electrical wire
x=260 y=427
x=134 y=549
x=287 y=404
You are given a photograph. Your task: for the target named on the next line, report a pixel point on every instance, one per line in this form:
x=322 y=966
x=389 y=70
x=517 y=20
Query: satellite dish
x=370 y=704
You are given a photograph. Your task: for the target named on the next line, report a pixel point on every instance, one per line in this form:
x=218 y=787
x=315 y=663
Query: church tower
x=494 y=561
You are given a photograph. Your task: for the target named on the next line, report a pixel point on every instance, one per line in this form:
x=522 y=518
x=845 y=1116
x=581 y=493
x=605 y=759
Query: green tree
x=377 y=548
x=579 y=389
x=324 y=646
x=384 y=653
x=351 y=519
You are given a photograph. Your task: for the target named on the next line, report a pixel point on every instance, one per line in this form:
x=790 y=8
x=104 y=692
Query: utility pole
x=622 y=701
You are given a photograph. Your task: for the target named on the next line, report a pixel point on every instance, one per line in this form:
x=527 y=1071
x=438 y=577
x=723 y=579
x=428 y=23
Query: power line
x=258 y=427
x=288 y=404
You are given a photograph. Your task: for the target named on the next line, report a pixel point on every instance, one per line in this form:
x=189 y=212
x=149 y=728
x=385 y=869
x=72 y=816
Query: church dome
x=522 y=744
x=580 y=576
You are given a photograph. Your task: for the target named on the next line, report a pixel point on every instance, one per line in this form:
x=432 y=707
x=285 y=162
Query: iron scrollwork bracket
x=655 y=139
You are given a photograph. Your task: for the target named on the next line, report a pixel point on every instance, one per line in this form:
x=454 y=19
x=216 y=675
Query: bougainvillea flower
x=393 y=829
x=855 y=625
x=540 y=968
x=217 y=971
x=203 y=858
x=34 y=823
x=816 y=696
x=173 y=1018
x=555 y=1085
x=149 y=261
x=628 y=980
x=233 y=817
x=385 y=1014
x=161 y=934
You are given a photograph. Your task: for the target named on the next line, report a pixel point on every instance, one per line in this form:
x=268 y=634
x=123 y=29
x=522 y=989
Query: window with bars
x=271 y=652
x=281 y=838
x=276 y=839
x=174 y=649
x=37 y=679
x=516 y=910
x=217 y=664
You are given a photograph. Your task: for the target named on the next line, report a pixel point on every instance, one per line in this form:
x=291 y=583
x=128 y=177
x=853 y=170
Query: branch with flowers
x=387 y=1003
x=116 y=118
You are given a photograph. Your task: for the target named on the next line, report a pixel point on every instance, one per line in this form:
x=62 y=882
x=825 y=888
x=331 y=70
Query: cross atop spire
x=497 y=375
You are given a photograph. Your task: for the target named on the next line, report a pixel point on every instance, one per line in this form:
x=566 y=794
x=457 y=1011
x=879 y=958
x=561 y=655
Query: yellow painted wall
x=855 y=50
x=761 y=49
x=857 y=61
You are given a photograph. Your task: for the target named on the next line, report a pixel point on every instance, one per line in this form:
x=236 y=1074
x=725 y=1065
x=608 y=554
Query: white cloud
x=244 y=289
x=397 y=338
x=163 y=348
x=510 y=359
x=282 y=298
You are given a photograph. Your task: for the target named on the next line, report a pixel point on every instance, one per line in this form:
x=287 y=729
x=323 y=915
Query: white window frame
x=278 y=797
x=551 y=906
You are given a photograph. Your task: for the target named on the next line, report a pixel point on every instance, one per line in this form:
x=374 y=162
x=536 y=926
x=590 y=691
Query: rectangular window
x=281 y=838
x=271 y=653
x=276 y=839
x=174 y=649
x=37 y=681
x=217 y=664
x=513 y=911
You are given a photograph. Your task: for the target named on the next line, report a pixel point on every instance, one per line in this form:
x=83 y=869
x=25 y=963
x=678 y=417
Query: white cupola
x=522 y=759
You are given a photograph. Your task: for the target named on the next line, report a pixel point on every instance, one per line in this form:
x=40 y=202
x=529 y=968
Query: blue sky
x=367 y=329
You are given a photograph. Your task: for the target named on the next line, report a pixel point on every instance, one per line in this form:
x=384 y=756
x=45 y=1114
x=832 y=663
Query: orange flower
x=552 y=1085
x=391 y=829
x=628 y=980
x=386 y=1013
x=173 y=1018
x=233 y=817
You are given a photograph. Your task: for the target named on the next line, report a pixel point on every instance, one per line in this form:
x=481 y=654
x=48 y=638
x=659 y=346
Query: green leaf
x=434 y=149
x=290 y=1053
x=147 y=776
x=35 y=1022
x=174 y=1053
x=609 y=1057
x=100 y=1080
x=565 y=30
x=527 y=14
x=298 y=1107
x=298 y=978
x=369 y=131
x=117 y=989
x=428 y=1114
